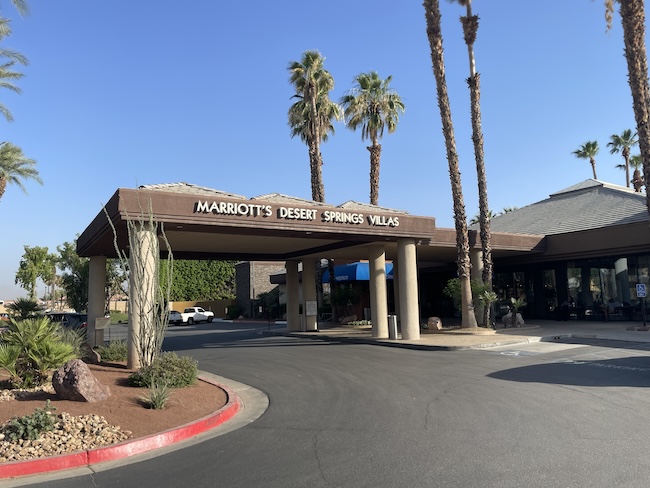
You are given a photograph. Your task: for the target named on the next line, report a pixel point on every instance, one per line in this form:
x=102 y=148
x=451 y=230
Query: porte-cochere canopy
x=202 y=223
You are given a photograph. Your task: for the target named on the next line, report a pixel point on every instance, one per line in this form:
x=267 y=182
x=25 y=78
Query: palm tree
x=588 y=150
x=470 y=29
x=637 y=181
x=509 y=209
x=7 y=73
x=373 y=106
x=15 y=167
x=21 y=6
x=24 y=308
x=623 y=144
x=434 y=34
x=633 y=20
x=311 y=116
x=477 y=218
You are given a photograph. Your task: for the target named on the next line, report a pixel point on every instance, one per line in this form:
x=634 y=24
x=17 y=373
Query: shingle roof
x=191 y=189
x=591 y=204
x=287 y=199
x=352 y=205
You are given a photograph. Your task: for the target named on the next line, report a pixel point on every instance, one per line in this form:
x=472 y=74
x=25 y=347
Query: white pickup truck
x=193 y=315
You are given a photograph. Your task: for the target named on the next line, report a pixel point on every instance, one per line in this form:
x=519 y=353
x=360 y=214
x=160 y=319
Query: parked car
x=192 y=315
x=175 y=317
x=69 y=319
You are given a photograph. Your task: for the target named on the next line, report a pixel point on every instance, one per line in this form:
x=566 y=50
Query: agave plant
x=516 y=304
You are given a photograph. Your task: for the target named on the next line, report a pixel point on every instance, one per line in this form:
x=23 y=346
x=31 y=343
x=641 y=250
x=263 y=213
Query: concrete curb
x=127 y=448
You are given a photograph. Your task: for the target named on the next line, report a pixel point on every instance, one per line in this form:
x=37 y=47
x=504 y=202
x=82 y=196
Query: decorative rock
x=74 y=381
x=507 y=320
x=348 y=319
x=91 y=355
x=434 y=323
x=55 y=442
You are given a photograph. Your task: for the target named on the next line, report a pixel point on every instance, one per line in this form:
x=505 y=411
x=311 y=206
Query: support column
x=142 y=287
x=476 y=274
x=293 y=296
x=408 y=289
x=309 y=294
x=378 y=296
x=96 y=295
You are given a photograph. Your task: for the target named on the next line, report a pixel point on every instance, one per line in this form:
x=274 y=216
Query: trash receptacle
x=392 y=326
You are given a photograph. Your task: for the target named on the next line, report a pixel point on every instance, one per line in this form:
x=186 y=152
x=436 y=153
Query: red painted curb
x=127 y=448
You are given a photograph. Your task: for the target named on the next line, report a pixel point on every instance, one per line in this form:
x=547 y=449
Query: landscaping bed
x=124 y=415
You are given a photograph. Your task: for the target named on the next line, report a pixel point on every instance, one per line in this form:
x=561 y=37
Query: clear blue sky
x=124 y=93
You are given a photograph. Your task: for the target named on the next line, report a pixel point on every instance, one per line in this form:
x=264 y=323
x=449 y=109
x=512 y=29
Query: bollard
x=392 y=327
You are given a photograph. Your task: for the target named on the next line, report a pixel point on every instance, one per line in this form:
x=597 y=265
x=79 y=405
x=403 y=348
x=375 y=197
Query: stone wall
x=251 y=279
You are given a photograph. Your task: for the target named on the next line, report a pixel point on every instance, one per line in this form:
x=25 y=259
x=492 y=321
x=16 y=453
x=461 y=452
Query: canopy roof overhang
x=201 y=223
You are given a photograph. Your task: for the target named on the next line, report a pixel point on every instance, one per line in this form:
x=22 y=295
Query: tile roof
x=591 y=204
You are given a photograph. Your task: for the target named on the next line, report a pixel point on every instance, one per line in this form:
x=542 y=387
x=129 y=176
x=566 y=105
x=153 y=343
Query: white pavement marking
x=534 y=347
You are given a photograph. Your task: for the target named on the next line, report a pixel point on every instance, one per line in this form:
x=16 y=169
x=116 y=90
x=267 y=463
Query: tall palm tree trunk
x=434 y=33
x=633 y=20
x=3 y=186
x=375 y=156
x=593 y=167
x=626 y=155
x=470 y=28
x=317 y=189
x=315 y=157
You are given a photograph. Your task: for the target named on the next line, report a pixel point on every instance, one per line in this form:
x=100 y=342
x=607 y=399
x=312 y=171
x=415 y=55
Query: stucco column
x=476 y=274
x=142 y=287
x=309 y=294
x=408 y=289
x=293 y=296
x=96 y=295
x=378 y=296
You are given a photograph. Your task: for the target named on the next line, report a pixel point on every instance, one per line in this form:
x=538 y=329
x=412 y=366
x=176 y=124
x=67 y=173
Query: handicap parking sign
x=640 y=290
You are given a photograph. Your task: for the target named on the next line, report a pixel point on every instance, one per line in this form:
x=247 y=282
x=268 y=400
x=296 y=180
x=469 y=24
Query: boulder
x=434 y=323
x=348 y=319
x=74 y=381
x=507 y=320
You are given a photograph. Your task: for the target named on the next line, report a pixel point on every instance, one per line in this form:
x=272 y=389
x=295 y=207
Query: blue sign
x=640 y=290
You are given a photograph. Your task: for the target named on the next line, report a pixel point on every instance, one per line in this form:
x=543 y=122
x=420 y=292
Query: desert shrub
x=31 y=426
x=167 y=369
x=75 y=336
x=24 y=308
x=116 y=350
x=452 y=290
x=31 y=348
x=157 y=397
x=233 y=311
x=359 y=322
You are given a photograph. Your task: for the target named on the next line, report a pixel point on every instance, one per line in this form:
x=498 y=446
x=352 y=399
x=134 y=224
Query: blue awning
x=354 y=272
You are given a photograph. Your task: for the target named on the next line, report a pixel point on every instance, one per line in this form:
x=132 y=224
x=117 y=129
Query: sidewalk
x=458 y=339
